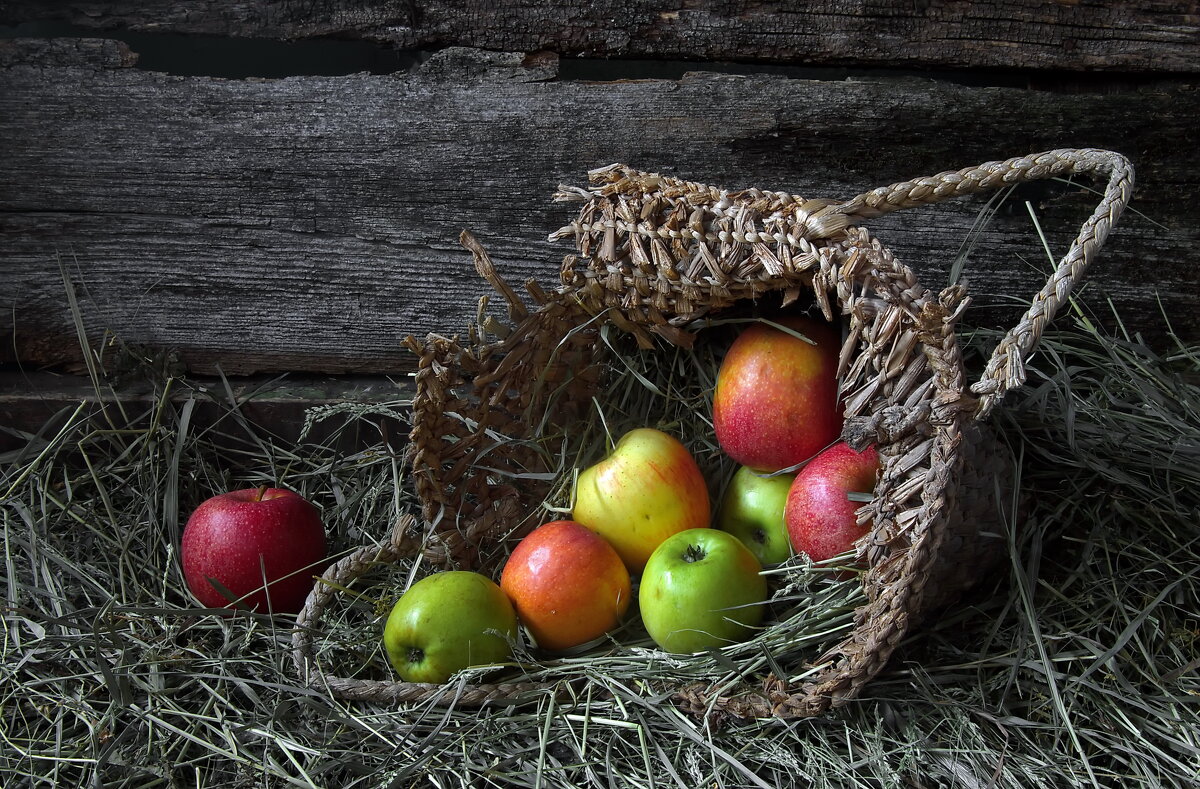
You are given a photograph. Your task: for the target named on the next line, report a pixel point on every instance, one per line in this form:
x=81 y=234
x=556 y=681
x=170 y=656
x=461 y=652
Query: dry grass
x=1078 y=664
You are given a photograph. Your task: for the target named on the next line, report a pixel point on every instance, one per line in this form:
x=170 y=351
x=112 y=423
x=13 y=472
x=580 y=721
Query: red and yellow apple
x=776 y=399
x=820 y=515
x=702 y=589
x=567 y=585
x=262 y=545
x=648 y=488
x=752 y=511
x=446 y=622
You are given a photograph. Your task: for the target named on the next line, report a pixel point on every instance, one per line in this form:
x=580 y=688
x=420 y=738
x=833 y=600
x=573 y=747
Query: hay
x=1076 y=667
x=1077 y=664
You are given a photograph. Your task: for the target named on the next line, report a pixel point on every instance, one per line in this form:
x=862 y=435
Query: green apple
x=648 y=488
x=446 y=622
x=752 y=511
x=701 y=589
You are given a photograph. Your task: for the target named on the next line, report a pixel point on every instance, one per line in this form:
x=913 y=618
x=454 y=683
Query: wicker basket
x=656 y=255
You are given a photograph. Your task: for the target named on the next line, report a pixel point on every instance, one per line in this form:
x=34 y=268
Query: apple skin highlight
x=241 y=537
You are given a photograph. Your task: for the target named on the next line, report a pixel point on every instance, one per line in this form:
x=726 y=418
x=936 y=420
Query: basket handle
x=1006 y=368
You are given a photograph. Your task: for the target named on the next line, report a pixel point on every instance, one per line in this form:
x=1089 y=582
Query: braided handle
x=337 y=576
x=1006 y=368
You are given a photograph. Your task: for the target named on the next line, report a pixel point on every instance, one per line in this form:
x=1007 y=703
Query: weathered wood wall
x=1065 y=34
x=306 y=224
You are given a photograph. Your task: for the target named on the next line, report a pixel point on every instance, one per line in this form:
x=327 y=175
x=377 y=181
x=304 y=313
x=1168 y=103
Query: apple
x=648 y=488
x=820 y=515
x=567 y=584
x=776 y=400
x=752 y=511
x=244 y=538
x=446 y=622
x=701 y=589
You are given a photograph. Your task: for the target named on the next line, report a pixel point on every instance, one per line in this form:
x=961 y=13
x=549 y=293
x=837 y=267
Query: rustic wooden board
x=310 y=223
x=227 y=411
x=1069 y=34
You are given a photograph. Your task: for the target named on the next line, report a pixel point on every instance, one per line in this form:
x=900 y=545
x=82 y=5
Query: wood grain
x=310 y=223
x=1089 y=35
x=359 y=411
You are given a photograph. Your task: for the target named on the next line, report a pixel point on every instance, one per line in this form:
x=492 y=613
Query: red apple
x=567 y=584
x=821 y=517
x=776 y=400
x=648 y=488
x=240 y=538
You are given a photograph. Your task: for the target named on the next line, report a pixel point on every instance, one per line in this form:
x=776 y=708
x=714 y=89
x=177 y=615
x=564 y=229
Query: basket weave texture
x=655 y=256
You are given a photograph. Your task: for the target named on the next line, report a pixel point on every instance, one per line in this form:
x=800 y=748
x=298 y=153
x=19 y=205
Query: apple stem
x=262 y=491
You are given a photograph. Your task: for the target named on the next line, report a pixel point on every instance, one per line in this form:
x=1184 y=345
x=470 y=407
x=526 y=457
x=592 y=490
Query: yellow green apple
x=446 y=622
x=648 y=488
x=752 y=511
x=776 y=399
x=702 y=589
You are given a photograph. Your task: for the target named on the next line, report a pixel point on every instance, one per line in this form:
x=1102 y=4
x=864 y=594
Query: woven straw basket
x=655 y=256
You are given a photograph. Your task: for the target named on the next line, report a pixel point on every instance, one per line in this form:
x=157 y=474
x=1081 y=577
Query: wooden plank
x=1070 y=34
x=227 y=410
x=63 y=51
x=308 y=224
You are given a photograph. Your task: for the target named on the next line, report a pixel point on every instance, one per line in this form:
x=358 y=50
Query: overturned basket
x=656 y=255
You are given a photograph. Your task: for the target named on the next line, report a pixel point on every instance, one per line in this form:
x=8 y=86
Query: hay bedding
x=1079 y=669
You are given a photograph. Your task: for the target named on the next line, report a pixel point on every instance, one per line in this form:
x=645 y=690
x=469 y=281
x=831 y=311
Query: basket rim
x=614 y=214
x=950 y=408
